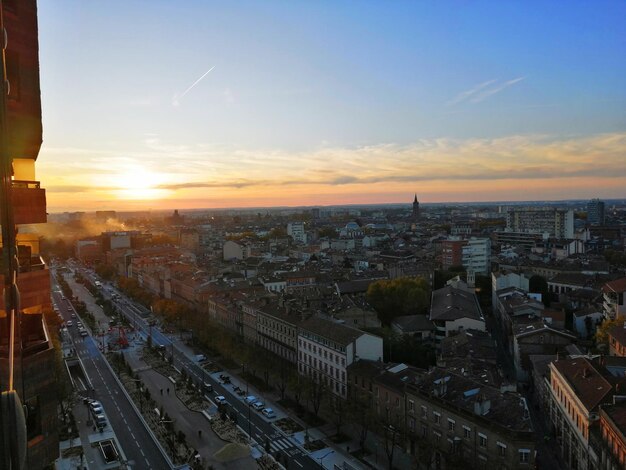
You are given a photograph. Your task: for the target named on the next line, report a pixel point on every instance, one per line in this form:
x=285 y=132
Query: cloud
x=482 y=91
x=441 y=166
x=468 y=93
x=492 y=91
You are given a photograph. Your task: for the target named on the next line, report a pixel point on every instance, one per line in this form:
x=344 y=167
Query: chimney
x=482 y=405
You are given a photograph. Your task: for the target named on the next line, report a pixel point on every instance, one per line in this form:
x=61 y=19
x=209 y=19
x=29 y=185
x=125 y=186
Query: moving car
x=70 y=323
x=83 y=332
x=208 y=387
x=220 y=400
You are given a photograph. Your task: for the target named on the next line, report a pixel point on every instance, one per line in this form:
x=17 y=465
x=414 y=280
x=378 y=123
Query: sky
x=153 y=104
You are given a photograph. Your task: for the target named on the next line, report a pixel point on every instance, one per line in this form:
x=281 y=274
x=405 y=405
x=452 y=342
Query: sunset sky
x=329 y=102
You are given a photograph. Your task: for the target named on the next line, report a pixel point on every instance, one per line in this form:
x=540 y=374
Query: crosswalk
x=281 y=444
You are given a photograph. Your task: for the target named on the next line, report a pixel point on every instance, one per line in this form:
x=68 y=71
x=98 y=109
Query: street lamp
x=321 y=459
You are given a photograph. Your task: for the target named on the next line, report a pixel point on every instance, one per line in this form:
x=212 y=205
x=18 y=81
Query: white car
x=220 y=400
x=268 y=413
x=258 y=405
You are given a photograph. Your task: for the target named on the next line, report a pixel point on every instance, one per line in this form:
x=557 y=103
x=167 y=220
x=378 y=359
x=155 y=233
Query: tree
x=339 y=410
x=360 y=412
x=329 y=232
x=602 y=332
x=390 y=433
x=297 y=386
x=315 y=392
x=396 y=297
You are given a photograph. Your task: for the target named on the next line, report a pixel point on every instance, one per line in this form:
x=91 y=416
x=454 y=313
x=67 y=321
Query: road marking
x=298 y=463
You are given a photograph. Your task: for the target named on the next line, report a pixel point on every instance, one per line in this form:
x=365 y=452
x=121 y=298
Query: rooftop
x=450 y=303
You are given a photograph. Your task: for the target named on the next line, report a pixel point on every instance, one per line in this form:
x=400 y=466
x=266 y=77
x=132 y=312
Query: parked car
x=200 y=358
x=268 y=413
x=220 y=400
x=96 y=407
x=258 y=405
x=250 y=399
x=73 y=314
x=101 y=421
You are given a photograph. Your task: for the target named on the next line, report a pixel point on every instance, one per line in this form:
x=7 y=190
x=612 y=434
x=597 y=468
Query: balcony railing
x=29 y=202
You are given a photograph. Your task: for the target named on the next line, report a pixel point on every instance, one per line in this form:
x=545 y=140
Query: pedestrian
x=161 y=391
x=200 y=433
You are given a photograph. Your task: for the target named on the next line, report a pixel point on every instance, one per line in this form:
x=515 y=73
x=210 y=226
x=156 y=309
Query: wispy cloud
x=464 y=95
x=443 y=166
x=482 y=91
x=483 y=95
x=177 y=98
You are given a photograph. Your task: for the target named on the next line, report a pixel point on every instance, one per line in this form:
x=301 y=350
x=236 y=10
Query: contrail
x=177 y=98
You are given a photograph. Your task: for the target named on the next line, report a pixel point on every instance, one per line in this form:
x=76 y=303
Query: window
x=467 y=432
x=436 y=417
x=437 y=438
x=501 y=449
x=412 y=424
x=451 y=424
x=424 y=411
x=411 y=405
x=482 y=440
x=524 y=455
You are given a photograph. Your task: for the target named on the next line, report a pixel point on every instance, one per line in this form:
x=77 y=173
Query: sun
x=137 y=183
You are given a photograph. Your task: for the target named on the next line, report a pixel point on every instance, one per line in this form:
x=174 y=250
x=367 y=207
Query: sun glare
x=138 y=183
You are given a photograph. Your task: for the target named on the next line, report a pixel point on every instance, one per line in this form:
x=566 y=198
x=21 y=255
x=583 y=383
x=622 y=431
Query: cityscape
x=299 y=255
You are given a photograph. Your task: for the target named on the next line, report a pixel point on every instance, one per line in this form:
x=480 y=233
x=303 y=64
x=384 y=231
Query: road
x=259 y=428
x=139 y=446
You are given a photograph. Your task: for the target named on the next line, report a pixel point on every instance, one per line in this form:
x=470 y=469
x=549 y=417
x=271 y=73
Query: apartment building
x=578 y=386
x=557 y=223
x=25 y=283
x=476 y=256
x=617 y=340
x=505 y=279
x=453 y=309
x=461 y=421
x=327 y=348
x=277 y=330
x=296 y=230
x=613 y=301
x=595 y=212
x=612 y=437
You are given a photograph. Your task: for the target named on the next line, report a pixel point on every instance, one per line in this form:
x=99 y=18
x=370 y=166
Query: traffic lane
x=137 y=443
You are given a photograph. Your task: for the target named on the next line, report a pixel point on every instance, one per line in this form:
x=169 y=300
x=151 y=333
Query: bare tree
x=315 y=393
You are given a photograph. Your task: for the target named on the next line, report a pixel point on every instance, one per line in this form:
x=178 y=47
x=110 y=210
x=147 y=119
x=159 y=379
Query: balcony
x=29 y=202
x=33 y=282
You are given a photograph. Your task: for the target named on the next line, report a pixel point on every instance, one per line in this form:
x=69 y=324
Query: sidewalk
x=189 y=422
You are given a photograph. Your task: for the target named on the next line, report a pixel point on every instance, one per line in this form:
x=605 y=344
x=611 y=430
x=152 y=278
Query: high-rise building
x=595 y=212
x=557 y=223
x=27 y=357
x=476 y=256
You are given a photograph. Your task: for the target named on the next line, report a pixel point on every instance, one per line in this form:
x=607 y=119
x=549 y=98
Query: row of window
x=322 y=366
x=451 y=425
x=305 y=345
